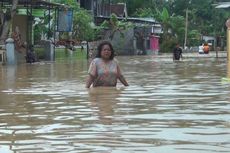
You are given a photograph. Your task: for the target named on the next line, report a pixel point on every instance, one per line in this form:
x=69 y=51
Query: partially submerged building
x=142 y=38
x=22 y=25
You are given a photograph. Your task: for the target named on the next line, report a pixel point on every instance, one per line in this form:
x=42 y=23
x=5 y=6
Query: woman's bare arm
x=89 y=81
x=123 y=80
x=121 y=77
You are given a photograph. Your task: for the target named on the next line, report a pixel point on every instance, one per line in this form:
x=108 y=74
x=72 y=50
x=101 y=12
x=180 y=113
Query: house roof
x=118 y=9
x=147 y=21
x=34 y=3
x=223 y=5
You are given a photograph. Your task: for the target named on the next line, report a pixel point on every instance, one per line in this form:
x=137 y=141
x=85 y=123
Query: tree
x=83 y=26
x=134 y=5
x=172 y=25
x=144 y=12
x=116 y=26
x=5 y=20
x=204 y=18
x=173 y=29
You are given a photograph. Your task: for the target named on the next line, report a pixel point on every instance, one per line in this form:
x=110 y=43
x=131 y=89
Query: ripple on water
x=168 y=107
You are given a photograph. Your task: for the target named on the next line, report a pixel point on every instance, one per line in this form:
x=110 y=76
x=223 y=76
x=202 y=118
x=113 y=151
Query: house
x=22 y=25
x=222 y=5
x=211 y=40
x=101 y=8
x=141 y=39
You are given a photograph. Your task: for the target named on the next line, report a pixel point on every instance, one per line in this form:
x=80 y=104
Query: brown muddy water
x=169 y=107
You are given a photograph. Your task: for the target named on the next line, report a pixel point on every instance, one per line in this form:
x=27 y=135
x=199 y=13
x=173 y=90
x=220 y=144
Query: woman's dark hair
x=100 y=46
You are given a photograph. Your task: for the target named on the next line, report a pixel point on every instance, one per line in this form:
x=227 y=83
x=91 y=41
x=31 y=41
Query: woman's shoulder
x=115 y=60
x=99 y=60
x=96 y=59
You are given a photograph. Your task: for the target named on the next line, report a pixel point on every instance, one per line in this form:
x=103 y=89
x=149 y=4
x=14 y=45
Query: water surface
x=169 y=107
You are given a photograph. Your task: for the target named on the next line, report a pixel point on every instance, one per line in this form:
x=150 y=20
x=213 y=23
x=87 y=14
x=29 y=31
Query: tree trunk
x=7 y=20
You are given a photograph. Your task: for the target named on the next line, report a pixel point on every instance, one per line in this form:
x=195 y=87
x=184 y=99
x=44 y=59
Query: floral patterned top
x=105 y=73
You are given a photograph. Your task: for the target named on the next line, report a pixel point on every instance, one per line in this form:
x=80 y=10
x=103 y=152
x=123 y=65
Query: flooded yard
x=169 y=107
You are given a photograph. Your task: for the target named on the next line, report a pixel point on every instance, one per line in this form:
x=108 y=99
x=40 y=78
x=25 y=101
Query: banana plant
x=165 y=19
x=116 y=26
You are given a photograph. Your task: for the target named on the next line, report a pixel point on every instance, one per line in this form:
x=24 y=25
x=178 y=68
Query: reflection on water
x=168 y=107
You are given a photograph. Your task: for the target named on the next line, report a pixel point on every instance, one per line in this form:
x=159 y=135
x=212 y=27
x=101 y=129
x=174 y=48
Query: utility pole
x=227 y=23
x=228 y=38
x=186 y=28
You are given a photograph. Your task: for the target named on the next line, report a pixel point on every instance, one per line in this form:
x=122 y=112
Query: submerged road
x=211 y=54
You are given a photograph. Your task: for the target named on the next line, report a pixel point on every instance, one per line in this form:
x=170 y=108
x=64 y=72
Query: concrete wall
x=124 y=45
x=134 y=41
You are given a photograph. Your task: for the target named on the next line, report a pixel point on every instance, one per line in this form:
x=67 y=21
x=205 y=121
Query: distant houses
x=22 y=29
x=141 y=39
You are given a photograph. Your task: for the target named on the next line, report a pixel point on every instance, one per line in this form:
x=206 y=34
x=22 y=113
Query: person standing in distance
x=206 y=48
x=104 y=69
x=177 y=53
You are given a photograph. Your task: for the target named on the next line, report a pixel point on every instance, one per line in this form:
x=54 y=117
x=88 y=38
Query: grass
x=62 y=53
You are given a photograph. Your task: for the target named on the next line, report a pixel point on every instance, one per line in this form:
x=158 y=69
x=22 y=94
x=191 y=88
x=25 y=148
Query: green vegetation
x=83 y=26
x=116 y=26
x=63 y=53
x=203 y=18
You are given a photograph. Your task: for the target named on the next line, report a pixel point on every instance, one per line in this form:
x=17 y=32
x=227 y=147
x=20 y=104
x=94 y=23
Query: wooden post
x=228 y=38
x=217 y=50
x=228 y=48
x=186 y=29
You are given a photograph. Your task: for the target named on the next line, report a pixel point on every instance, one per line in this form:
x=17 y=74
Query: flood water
x=169 y=107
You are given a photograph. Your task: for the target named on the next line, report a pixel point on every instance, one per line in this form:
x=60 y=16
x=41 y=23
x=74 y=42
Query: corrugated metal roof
x=223 y=5
x=35 y=3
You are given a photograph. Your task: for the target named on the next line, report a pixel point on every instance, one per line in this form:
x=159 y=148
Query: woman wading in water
x=104 y=69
